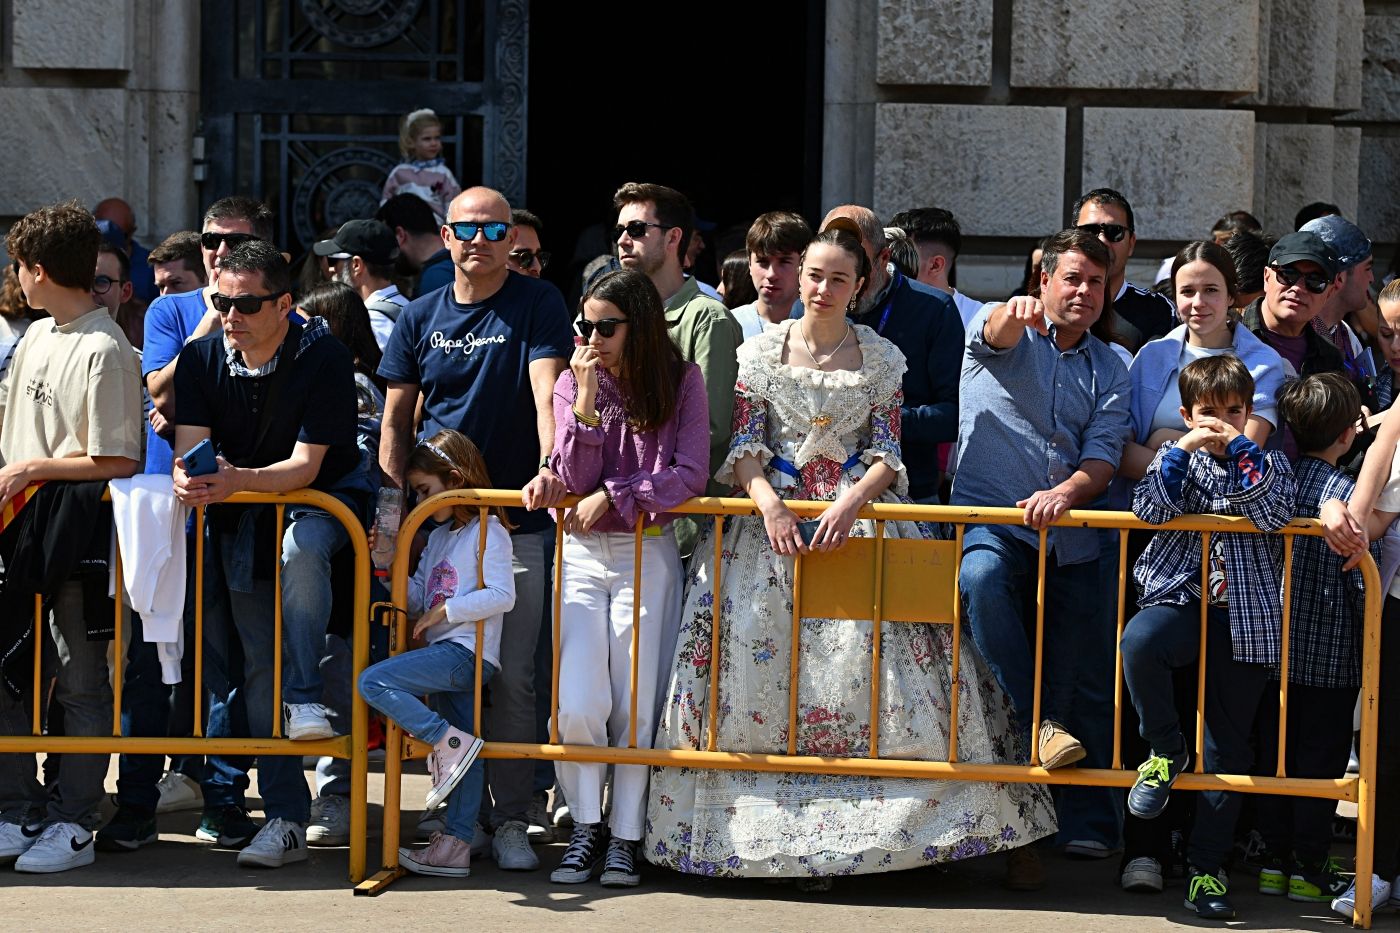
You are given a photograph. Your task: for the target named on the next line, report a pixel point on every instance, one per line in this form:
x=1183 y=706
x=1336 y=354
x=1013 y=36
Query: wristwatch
x=544 y=462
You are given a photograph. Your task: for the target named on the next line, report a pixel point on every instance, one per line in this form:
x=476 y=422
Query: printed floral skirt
x=754 y=824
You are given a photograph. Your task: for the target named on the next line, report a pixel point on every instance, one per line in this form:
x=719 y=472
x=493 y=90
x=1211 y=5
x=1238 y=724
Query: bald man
x=143 y=277
x=484 y=354
x=924 y=323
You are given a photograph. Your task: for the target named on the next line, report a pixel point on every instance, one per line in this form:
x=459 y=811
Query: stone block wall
x=1004 y=111
x=100 y=99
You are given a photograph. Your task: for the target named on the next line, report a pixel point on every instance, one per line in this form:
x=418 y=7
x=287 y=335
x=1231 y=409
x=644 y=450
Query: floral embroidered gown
x=745 y=823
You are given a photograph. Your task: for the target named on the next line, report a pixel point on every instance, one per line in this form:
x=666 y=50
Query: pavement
x=180 y=883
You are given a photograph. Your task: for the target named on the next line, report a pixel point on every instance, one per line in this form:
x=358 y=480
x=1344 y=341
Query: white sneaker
x=60 y=846
x=1346 y=904
x=307 y=721
x=16 y=838
x=1087 y=848
x=179 y=792
x=511 y=848
x=330 y=821
x=537 y=825
x=277 y=843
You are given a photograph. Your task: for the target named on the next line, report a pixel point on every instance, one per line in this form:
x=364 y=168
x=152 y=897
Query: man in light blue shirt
x=1044 y=415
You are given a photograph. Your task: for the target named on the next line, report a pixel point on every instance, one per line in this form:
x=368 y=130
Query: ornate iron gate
x=301 y=99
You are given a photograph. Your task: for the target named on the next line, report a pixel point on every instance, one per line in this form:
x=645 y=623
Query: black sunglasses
x=1315 y=282
x=636 y=229
x=525 y=258
x=102 y=283
x=494 y=230
x=245 y=304
x=606 y=327
x=211 y=241
x=1110 y=232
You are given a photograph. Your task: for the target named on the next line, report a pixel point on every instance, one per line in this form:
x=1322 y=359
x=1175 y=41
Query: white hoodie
x=150 y=525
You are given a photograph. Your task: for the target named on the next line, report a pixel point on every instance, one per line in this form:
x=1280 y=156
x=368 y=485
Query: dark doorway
x=721 y=100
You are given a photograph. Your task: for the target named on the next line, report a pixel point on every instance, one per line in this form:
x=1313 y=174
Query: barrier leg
x=394 y=752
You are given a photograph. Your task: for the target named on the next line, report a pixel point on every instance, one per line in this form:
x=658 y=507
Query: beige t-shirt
x=72 y=389
x=1389 y=501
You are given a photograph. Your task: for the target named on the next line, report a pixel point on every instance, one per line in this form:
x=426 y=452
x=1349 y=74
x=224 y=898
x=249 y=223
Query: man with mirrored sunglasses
x=484 y=354
x=1139 y=315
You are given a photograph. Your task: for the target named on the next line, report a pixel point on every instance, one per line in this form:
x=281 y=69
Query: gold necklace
x=822 y=419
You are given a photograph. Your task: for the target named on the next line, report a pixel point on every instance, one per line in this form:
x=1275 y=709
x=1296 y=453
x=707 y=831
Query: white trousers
x=595 y=665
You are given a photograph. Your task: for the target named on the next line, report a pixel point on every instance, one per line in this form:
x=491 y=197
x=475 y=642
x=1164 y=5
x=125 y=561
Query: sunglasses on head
x=1315 y=282
x=244 y=304
x=102 y=283
x=1113 y=233
x=606 y=327
x=636 y=229
x=525 y=258
x=211 y=241
x=494 y=230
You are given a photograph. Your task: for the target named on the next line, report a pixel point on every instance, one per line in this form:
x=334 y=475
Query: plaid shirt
x=1328 y=606
x=312 y=331
x=1169 y=571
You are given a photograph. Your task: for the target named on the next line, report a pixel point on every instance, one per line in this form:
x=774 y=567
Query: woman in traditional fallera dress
x=816 y=416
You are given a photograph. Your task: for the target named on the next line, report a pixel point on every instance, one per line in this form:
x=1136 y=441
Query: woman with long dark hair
x=632 y=437
x=348 y=319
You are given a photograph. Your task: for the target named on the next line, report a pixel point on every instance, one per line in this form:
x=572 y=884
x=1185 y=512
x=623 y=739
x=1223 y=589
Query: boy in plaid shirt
x=1324 y=650
x=1213 y=469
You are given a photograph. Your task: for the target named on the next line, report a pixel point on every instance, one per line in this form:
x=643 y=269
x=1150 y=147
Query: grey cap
x=1342 y=235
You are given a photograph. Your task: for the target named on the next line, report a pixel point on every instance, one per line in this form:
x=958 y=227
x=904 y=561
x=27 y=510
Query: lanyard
x=895 y=281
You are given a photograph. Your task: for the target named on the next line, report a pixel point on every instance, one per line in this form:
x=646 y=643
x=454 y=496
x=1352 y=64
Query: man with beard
x=654 y=224
x=362 y=255
x=924 y=323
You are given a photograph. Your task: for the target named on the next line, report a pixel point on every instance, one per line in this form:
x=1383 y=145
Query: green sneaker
x=227 y=826
x=1206 y=894
x=1317 y=884
x=1273 y=878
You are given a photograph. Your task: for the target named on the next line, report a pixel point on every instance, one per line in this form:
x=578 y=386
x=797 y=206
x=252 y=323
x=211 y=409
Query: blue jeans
x=997 y=583
x=1161 y=638
x=1096 y=813
x=249 y=616
x=447 y=671
x=310 y=540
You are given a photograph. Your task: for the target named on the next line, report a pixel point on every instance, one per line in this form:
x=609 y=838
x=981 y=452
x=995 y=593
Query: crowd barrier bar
x=353 y=746
x=853 y=584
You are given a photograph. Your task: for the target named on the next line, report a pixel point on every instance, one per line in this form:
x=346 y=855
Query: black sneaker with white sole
x=583 y=856
x=620 y=866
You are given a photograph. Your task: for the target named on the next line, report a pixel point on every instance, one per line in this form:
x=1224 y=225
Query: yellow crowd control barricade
x=905 y=580
x=353 y=746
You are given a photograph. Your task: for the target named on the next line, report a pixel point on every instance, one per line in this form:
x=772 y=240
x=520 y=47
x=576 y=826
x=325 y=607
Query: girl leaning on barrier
x=446 y=597
x=631 y=437
x=817 y=416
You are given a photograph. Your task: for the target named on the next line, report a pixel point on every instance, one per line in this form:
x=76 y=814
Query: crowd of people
x=1252 y=381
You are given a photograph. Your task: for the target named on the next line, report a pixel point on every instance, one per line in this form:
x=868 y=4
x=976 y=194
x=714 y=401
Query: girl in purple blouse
x=632 y=437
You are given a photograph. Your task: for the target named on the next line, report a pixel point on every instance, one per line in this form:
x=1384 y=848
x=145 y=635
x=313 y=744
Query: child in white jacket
x=447 y=601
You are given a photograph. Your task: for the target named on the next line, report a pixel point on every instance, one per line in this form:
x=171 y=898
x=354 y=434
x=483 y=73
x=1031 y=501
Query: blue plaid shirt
x=1247 y=482
x=1327 y=607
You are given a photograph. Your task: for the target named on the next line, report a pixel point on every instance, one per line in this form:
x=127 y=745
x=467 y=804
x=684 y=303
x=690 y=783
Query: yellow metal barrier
x=353 y=746
x=904 y=580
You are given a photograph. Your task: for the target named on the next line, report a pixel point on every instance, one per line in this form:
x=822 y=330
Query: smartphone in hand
x=808 y=530
x=199 y=459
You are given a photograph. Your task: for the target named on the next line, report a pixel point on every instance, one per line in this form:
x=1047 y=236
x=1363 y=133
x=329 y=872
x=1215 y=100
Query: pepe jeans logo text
x=439 y=341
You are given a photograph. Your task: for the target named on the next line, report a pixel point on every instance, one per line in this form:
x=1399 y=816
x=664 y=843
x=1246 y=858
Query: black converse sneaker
x=584 y=854
x=620 y=867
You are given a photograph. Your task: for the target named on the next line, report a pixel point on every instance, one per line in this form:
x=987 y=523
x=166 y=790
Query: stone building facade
x=1004 y=111
x=1001 y=110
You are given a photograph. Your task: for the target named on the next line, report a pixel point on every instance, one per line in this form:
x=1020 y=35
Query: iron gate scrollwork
x=301 y=99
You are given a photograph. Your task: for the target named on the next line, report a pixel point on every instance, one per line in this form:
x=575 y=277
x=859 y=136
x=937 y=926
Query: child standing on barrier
x=632 y=437
x=1213 y=469
x=447 y=597
x=1324 y=651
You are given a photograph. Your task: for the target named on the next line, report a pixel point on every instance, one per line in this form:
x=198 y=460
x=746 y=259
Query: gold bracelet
x=592 y=420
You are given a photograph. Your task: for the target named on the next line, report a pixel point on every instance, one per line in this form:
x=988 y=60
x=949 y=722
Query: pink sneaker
x=445 y=857
x=448 y=763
